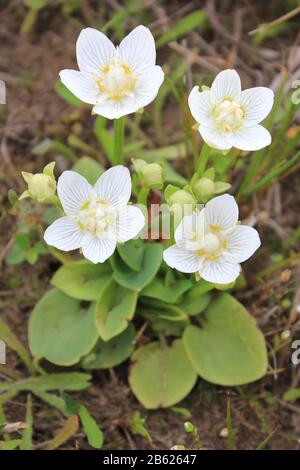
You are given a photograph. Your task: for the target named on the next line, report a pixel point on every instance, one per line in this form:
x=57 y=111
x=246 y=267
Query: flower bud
x=40 y=185
x=189 y=427
x=221 y=187
x=182 y=197
x=180 y=201
x=150 y=174
x=204 y=187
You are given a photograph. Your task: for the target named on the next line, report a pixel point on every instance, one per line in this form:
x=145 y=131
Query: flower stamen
x=228 y=116
x=116 y=80
x=96 y=216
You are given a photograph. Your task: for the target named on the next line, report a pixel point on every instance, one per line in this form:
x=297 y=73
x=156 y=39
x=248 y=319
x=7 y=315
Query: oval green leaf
x=197 y=298
x=60 y=330
x=111 y=353
x=168 y=289
x=82 y=280
x=229 y=349
x=132 y=253
x=131 y=279
x=114 y=310
x=161 y=376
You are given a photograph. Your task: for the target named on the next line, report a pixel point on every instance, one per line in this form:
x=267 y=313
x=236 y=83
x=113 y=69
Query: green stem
x=119 y=125
x=143 y=195
x=203 y=159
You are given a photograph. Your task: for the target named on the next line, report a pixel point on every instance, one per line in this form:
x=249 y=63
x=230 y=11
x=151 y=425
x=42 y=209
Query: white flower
x=212 y=243
x=98 y=217
x=116 y=80
x=229 y=117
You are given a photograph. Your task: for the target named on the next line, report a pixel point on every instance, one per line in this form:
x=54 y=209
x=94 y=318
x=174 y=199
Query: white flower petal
x=257 y=103
x=190 y=226
x=182 y=260
x=220 y=271
x=251 y=138
x=114 y=185
x=222 y=212
x=148 y=85
x=64 y=234
x=215 y=138
x=112 y=109
x=81 y=85
x=129 y=223
x=200 y=106
x=97 y=250
x=93 y=50
x=73 y=191
x=243 y=242
x=227 y=84
x=138 y=49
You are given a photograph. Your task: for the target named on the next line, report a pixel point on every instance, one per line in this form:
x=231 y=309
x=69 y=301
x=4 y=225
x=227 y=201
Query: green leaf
x=167 y=327
x=35 y=4
x=197 y=299
x=89 y=168
x=292 y=394
x=82 y=280
x=172 y=177
x=161 y=376
x=229 y=349
x=53 y=400
x=12 y=444
x=163 y=310
x=150 y=265
x=60 y=330
x=26 y=443
x=66 y=94
x=111 y=353
x=181 y=411
x=31 y=255
x=137 y=426
x=171 y=152
x=168 y=290
x=91 y=428
x=15 y=255
x=61 y=381
x=193 y=20
x=114 y=310
x=23 y=240
x=132 y=253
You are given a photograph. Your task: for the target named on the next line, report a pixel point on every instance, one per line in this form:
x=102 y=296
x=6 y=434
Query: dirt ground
x=29 y=64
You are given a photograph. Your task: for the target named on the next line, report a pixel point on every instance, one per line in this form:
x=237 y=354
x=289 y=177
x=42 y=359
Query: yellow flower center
x=116 y=80
x=213 y=245
x=96 y=216
x=228 y=116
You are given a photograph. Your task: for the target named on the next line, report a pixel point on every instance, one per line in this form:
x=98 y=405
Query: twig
x=279 y=20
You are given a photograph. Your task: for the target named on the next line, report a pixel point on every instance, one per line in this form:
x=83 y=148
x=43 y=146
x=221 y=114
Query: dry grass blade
x=68 y=430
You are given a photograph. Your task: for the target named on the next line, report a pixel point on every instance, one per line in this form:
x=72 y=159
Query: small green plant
x=162 y=272
x=96 y=306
